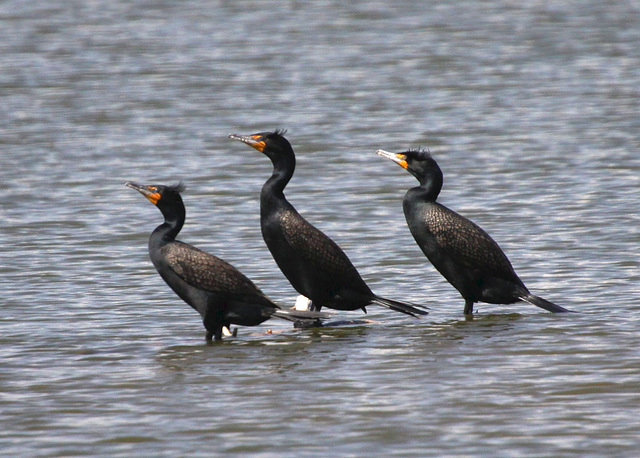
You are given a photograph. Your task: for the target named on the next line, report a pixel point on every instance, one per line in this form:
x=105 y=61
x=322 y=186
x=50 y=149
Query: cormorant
x=217 y=290
x=314 y=264
x=459 y=249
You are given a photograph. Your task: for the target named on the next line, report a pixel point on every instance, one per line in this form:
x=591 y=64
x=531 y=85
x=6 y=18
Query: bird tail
x=543 y=303
x=398 y=306
x=299 y=315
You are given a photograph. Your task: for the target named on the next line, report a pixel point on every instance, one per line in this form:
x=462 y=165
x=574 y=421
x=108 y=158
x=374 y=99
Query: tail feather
x=543 y=303
x=299 y=315
x=398 y=306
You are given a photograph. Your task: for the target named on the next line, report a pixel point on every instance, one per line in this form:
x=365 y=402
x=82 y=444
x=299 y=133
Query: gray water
x=532 y=110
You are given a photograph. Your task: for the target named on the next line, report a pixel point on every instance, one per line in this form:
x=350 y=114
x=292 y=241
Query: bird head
x=159 y=195
x=272 y=144
x=418 y=162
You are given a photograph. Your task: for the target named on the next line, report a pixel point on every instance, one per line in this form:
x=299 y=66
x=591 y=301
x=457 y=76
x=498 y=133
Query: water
x=531 y=111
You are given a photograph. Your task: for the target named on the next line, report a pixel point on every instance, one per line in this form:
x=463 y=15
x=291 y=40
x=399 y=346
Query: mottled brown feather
x=466 y=242
x=314 y=246
x=205 y=271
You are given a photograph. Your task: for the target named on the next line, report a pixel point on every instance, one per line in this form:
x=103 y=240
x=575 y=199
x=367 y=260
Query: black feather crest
x=424 y=152
x=179 y=187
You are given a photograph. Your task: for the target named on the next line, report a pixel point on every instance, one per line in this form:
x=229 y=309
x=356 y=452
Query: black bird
x=314 y=264
x=461 y=251
x=217 y=290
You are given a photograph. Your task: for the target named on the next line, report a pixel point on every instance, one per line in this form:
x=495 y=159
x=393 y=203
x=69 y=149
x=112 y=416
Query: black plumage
x=313 y=263
x=213 y=287
x=459 y=249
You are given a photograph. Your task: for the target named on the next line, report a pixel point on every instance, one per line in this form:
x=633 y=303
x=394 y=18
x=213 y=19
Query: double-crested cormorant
x=217 y=290
x=461 y=251
x=314 y=264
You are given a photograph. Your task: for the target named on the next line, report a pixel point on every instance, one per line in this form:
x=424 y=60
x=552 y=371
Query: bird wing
x=315 y=246
x=469 y=244
x=205 y=271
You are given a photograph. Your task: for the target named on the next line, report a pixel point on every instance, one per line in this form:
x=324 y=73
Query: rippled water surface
x=532 y=111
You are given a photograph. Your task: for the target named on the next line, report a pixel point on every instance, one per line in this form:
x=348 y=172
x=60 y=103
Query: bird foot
x=227 y=332
x=302 y=303
x=307 y=325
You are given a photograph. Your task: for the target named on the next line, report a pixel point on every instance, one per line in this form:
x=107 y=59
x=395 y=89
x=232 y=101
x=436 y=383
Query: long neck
x=273 y=189
x=430 y=186
x=417 y=195
x=169 y=230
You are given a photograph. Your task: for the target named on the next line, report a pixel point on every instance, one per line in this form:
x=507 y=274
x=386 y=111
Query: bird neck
x=430 y=186
x=428 y=190
x=283 y=168
x=173 y=222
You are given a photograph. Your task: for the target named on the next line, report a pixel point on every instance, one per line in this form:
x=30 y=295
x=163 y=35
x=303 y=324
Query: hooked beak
x=400 y=159
x=150 y=192
x=251 y=140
